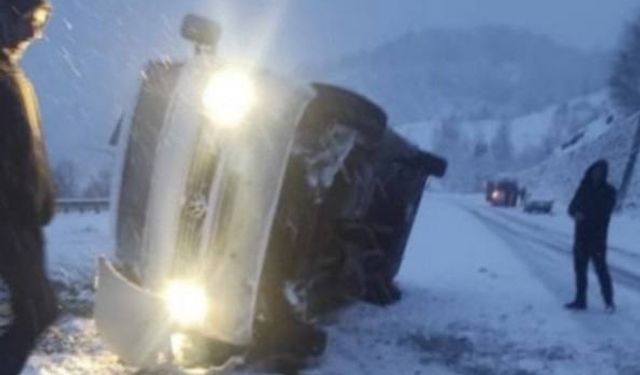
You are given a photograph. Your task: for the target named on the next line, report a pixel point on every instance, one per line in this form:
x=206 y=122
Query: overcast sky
x=312 y=29
x=87 y=69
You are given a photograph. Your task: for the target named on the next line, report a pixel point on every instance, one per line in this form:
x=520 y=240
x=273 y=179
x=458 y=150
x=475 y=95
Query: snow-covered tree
x=480 y=149
x=625 y=78
x=99 y=185
x=501 y=145
x=65 y=176
x=447 y=137
x=480 y=163
x=457 y=148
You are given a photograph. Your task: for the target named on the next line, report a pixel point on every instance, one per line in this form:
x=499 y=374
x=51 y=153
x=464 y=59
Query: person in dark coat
x=591 y=208
x=26 y=193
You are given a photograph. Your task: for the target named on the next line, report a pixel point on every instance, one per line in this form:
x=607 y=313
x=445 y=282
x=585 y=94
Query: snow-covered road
x=483 y=294
x=504 y=275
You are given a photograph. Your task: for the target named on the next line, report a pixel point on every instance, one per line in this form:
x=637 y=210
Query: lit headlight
x=229 y=96
x=186 y=303
x=496 y=195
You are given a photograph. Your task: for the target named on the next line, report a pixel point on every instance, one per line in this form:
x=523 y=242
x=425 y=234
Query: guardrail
x=82 y=205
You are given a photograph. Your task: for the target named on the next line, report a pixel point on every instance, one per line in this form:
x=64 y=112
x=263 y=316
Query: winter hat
x=601 y=163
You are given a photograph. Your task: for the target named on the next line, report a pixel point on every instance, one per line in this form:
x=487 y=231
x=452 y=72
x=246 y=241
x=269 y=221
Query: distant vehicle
x=538 y=206
x=248 y=205
x=502 y=193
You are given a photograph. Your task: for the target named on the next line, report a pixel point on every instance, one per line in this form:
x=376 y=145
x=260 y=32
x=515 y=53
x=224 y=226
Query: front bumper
x=132 y=322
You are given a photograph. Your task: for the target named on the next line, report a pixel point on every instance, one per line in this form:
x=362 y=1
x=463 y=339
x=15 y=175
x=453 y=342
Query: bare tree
x=65 y=177
x=99 y=185
x=625 y=95
x=502 y=146
x=625 y=78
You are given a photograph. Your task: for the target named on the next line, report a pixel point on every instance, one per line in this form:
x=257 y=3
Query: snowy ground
x=484 y=289
x=74 y=242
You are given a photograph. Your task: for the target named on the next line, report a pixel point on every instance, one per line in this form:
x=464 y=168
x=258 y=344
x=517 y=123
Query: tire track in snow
x=543 y=264
x=620 y=275
x=613 y=338
x=565 y=238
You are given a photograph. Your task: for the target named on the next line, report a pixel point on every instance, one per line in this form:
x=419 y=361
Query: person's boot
x=576 y=305
x=610 y=308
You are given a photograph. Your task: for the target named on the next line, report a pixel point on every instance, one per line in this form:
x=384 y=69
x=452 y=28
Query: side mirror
x=435 y=165
x=202 y=31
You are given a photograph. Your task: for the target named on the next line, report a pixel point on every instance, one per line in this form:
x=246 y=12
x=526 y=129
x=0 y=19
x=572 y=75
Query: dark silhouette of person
x=591 y=208
x=26 y=193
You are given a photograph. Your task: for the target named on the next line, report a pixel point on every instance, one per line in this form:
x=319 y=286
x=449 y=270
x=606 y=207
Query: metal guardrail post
x=82 y=205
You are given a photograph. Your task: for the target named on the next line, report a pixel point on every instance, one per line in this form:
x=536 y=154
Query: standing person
x=26 y=194
x=591 y=208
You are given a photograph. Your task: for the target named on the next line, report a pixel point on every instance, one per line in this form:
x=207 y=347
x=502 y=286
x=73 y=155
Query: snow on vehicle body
x=244 y=195
x=538 y=206
x=538 y=202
